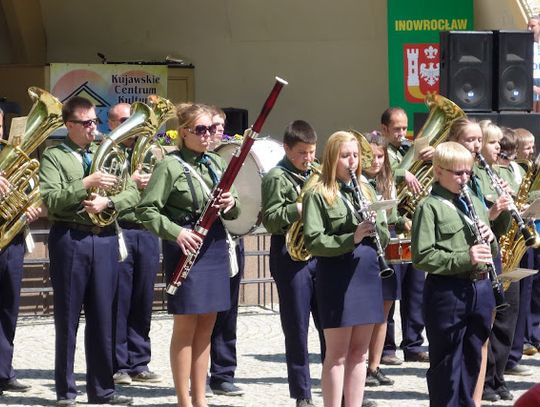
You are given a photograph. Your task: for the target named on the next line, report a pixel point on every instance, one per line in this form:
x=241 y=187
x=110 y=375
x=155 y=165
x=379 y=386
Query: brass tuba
x=111 y=159
x=512 y=243
x=20 y=170
x=442 y=112
x=294 y=239
x=144 y=156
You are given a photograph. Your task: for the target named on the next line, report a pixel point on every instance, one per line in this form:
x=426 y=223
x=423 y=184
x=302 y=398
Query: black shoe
x=391 y=360
x=504 y=393
x=304 y=403
x=226 y=389
x=371 y=378
x=417 y=357
x=490 y=395
x=369 y=403
x=381 y=378
x=15 y=386
x=118 y=401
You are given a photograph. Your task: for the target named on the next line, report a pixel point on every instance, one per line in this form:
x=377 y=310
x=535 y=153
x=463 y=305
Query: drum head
x=263 y=156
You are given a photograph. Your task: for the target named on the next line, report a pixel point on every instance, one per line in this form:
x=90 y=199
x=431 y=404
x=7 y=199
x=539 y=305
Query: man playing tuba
x=11 y=272
x=83 y=256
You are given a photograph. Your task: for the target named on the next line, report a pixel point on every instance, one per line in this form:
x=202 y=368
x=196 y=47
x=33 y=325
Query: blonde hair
x=187 y=114
x=328 y=186
x=459 y=127
x=523 y=136
x=451 y=154
x=490 y=132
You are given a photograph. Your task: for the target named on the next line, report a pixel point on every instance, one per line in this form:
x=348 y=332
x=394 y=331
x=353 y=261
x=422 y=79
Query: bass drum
x=262 y=157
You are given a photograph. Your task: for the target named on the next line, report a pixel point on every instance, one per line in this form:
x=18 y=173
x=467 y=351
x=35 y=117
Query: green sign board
x=413 y=47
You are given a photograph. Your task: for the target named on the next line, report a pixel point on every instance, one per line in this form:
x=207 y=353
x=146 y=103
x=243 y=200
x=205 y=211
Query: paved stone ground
x=261 y=368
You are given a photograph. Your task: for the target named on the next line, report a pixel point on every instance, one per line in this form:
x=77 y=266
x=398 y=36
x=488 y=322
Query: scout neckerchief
x=188 y=171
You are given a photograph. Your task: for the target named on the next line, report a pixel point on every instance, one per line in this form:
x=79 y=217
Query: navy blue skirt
x=206 y=288
x=349 y=289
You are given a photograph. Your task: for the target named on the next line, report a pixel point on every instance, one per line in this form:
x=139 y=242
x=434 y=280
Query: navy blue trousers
x=523 y=313
x=533 y=326
x=11 y=271
x=458 y=321
x=295 y=282
x=223 y=341
x=136 y=276
x=412 y=319
x=84 y=275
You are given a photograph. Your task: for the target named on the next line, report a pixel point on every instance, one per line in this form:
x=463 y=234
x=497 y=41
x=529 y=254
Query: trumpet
x=528 y=237
x=386 y=270
x=496 y=284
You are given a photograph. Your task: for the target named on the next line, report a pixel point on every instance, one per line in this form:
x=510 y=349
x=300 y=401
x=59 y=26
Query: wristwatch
x=110 y=204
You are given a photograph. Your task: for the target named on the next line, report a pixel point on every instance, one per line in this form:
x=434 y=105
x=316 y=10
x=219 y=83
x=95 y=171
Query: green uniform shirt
x=167 y=202
x=61 y=173
x=503 y=222
x=393 y=218
x=280 y=189
x=395 y=155
x=441 y=238
x=329 y=229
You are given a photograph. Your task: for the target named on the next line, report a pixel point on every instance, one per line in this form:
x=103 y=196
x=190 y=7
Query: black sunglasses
x=201 y=130
x=86 y=123
x=122 y=119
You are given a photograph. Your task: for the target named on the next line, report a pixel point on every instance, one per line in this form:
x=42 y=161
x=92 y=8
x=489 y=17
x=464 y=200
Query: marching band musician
x=223 y=360
x=394 y=124
x=136 y=275
x=458 y=297
x=347 y=281
x=83 y=256
x=505 y=320
x=294 y=279
x=169 y=207
x=379 y=175
x=11 y=272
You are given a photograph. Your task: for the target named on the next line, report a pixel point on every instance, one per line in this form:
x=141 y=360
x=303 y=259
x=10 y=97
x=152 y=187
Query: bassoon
x=211 y=211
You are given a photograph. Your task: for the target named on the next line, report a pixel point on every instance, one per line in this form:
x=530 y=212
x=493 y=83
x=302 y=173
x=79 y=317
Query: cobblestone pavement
x=261 y=368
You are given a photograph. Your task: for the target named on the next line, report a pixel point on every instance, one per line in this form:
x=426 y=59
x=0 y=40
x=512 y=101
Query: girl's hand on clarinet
x=226 y=202
x=188 y=241
x=480 y=254
x=502 y=203
x=486 y=232
x=364 y=229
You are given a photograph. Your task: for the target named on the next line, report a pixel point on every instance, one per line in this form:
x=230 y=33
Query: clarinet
x=386 y=270
x=496 y=284
x=496 y=182
x=211 y=211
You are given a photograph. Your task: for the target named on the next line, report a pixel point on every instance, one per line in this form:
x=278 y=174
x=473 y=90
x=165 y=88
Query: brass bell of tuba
x=144 y=156
x=20 y=170
x=442 y=112
x=110 y=158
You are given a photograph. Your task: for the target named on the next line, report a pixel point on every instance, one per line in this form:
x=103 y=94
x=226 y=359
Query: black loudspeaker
x=236 y=121
x=513 y=73
x=466 y=69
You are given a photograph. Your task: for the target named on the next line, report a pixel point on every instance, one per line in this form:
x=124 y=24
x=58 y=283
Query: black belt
x=477 y=275
x=95 y=230
x=131 y=225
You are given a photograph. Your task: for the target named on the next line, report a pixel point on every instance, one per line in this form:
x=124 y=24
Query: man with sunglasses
x=83 y=256
x=136 y=275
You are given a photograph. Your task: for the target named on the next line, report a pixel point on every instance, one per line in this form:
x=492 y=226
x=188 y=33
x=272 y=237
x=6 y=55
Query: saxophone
x=144 y=156
x=442 y=112
x=111 y=159
x=20 y=170
x=512 y=243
